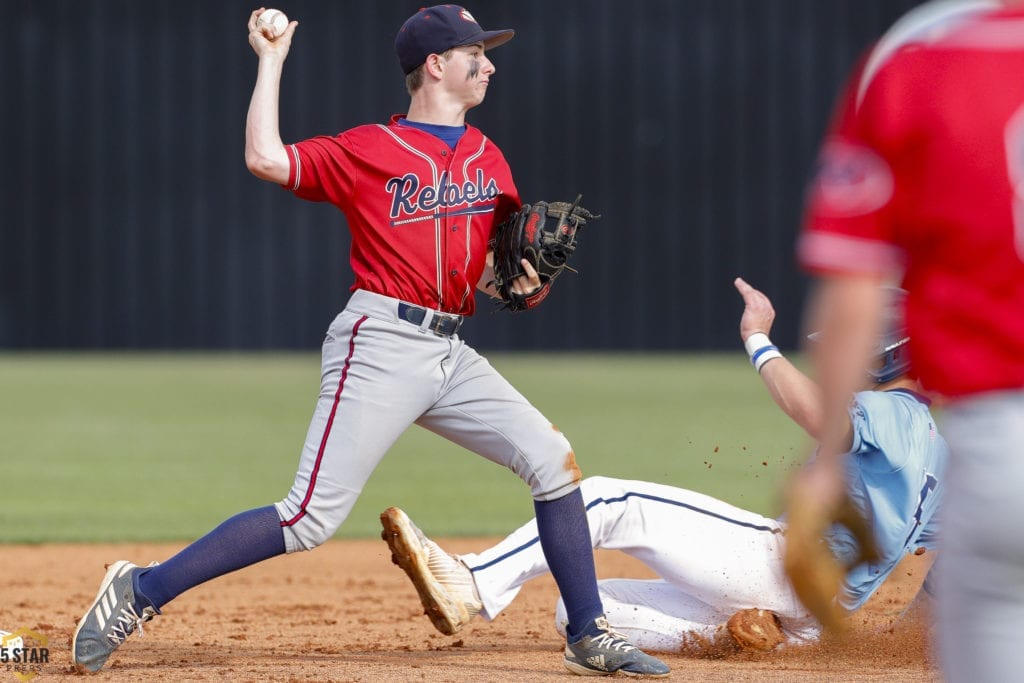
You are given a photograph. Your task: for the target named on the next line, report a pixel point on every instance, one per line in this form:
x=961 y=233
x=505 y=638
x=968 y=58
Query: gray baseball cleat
x=610 y=653
x=113 y=616
x=445 y=585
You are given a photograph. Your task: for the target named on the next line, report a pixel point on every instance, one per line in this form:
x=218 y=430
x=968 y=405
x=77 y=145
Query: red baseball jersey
x=922 y=175
x=420 y=213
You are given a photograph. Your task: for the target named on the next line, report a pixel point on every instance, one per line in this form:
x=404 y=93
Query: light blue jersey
x=895 y=473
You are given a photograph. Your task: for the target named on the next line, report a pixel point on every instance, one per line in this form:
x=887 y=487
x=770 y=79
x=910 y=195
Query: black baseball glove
x=544 y=233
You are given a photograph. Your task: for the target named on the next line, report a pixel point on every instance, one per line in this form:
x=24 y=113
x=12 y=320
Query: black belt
x=444 y=324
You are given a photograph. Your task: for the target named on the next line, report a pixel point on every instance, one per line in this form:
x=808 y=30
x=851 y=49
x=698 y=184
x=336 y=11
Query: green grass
x=141 y=447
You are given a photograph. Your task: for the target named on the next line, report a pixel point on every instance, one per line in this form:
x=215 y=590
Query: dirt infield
x=344 y=613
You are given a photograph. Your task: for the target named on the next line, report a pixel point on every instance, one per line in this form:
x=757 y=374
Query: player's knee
x=552 y=477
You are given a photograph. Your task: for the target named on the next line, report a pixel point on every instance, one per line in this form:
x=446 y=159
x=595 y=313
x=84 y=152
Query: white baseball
x=272 y=22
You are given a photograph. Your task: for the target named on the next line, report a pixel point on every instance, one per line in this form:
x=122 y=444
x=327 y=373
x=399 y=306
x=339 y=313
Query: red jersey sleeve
x=919 y=178
x=321 y=169
x=852 y=199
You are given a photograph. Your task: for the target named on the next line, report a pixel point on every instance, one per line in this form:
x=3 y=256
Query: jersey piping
x=438 y=262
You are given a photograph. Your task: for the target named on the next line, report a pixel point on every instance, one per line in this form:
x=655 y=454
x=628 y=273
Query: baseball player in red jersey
x=922 y=179
x=421 y=195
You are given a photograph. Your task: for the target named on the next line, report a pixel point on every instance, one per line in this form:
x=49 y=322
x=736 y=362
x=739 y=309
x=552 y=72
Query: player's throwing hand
x=263 y=45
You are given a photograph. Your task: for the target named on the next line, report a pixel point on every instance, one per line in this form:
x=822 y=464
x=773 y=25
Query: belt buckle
x=441 y=321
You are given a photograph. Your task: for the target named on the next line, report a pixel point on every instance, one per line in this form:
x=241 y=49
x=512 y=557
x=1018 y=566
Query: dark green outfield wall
x=130 y=221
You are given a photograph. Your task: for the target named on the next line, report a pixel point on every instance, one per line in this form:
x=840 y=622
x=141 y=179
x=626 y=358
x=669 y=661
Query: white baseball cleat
x=445 y=585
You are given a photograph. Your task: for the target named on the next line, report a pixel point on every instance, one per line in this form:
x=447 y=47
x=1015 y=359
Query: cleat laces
x=453 y=575
x=128 y=622
x=613 y=641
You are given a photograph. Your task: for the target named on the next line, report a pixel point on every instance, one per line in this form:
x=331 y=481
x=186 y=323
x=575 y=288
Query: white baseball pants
x=713 y=559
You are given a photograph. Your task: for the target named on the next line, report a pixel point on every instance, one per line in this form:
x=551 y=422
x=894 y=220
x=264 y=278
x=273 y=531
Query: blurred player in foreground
x=721 y=567
x=921 y=181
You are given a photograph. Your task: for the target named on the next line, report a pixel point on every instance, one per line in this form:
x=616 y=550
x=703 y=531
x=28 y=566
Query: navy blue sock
x=245 y=539
x=565 y=537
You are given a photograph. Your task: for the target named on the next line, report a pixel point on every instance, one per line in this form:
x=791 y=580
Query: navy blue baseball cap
x=435 y=30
